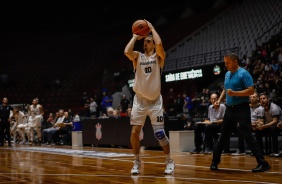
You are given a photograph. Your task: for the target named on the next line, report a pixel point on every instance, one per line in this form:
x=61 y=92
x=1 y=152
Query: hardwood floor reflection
x=66 y=164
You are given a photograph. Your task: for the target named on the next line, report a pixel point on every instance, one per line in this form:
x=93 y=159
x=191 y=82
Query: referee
x=5 y=121
x=238 y=86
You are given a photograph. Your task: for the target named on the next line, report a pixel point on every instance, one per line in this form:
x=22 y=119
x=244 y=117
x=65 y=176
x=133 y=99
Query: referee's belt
x=238 y=105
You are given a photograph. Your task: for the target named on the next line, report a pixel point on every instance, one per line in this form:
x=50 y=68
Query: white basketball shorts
x=143 y=107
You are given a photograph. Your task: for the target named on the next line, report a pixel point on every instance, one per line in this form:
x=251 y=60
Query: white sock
x=168 y=157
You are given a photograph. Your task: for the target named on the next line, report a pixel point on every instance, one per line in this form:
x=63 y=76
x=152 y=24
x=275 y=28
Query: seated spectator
x=64 y=131
x=209 y=127
x=267 y=125
x=116 y=113
x=49 y=132
x=110 y=112
x=50 y=121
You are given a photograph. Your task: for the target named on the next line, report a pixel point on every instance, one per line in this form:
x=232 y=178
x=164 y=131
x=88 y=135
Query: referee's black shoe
x=213 y=166
x=261 y=167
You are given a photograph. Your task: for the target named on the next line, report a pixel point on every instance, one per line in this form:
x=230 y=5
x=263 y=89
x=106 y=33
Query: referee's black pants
x=237 y=114
x=5 y=131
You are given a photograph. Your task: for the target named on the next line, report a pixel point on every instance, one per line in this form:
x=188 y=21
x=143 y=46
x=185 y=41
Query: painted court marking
x=75 y=152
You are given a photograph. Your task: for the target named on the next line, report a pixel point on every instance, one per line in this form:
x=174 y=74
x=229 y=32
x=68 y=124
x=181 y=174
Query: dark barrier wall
x=117 y=131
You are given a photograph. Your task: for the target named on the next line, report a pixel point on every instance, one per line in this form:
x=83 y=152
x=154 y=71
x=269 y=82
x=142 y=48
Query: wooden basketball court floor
x=67 y=164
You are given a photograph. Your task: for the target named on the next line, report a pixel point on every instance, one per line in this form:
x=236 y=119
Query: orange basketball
x=140 y=27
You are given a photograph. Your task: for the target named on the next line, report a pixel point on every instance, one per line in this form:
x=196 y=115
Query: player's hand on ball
x=139 y=37
x=149 y=25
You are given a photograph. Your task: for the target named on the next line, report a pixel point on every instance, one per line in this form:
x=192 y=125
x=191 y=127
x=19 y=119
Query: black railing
x=197 y=59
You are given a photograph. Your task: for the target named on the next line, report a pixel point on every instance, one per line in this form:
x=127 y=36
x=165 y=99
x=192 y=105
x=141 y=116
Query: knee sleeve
x=160 y=135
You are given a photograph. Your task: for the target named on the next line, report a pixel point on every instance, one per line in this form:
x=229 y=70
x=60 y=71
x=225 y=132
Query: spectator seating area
x=58 y=67
x=240 y=27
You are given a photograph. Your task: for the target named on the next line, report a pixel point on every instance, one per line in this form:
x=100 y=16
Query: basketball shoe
x=169 y=167
x=136 y=167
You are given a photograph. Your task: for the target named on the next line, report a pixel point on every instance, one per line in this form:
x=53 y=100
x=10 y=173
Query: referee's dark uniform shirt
x=5 y=113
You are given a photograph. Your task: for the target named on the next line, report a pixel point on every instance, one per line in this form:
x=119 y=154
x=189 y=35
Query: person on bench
x=210 y=127
x=267 y=124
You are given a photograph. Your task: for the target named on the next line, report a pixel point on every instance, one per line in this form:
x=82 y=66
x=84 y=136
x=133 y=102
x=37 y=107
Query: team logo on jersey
x=98 y=131
x=148 y=62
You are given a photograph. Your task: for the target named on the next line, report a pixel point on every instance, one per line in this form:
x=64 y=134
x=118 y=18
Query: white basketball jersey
x=34 y=110
x=21 y=118
x=147 y=81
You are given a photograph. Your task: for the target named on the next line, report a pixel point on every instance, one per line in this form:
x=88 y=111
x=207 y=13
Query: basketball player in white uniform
x=35 y=116
x=148 y=99
x=19 y=125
